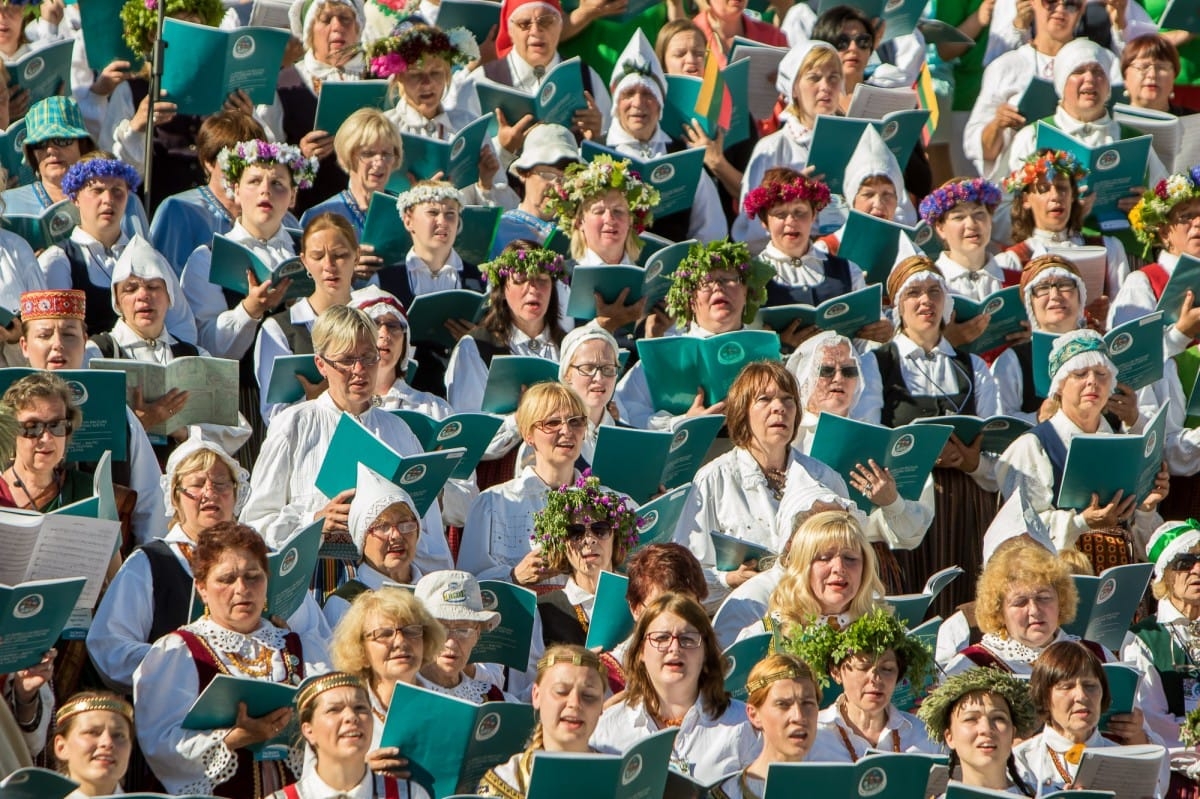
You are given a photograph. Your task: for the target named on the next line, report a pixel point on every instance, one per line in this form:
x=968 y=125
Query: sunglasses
x=556 y=424
x=1184 y=562
x=862 y=41
x=1070 y=6
x=826 y=372
x=58 y=428
x=601 y=531
x=61 y=142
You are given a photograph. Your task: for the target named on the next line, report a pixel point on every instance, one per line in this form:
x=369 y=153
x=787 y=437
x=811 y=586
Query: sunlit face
x=535 y=30
x=1150 y=82
x=1086 y=391
x=867 y=682
x=144 y=303
x=877 y=197
x=684 y=54
x=392 y=341
x=102 y=205
x=787 y=719
x=341 y=723
x=394 y=658
x=558 y=437
x=1056 y=304
x=637 y=111
x=10 y=27
x=391 y=541
x=726 y=9
x=1031 y=614
x=1182 y=579
x=373 y=166
x=40 y=455
x=1050 y=203
x=671 y=662
x=858 y=45
x=528 y=297
x=980 y=731
x=1057 y=18
x=590 y=548
x=424 y=85
x=790 y=226
x=1086 y=92
x=53 y=157
x=589 y=362
x=205 y=497
x=817 y=91
x=568 y=700
x=54 y=343
x=95 y=750
x=772 y=417
x=1183 y=229
x=335 y=32
x=719 y=301
x=539 y=187
x=434 y=224
x=235 y=591
x=1075 y=706
x=836 y=381
x=966 y=228
x=351 y=375
x=605 y=224
x=461 y=637
x=835 y=577
x=264 y=194
x=329 y=258
x=921 y=306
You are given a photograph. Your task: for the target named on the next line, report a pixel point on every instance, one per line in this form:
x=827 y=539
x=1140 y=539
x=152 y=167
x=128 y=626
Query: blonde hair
x=792 y=601
x=543 y=398
x=340 y=328
x=816 y=58
x=563 y=654
x=364 y=127
x=348 y=647
x=773 y=668
x=579 y=247
x=1159 y=587
x=1027 y=564
x=199 y=461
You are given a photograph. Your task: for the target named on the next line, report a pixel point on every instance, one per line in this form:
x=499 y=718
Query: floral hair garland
x=768 y=195
x=821 y=646
x=409 y=45
x=1038 y=167
x=936 y=709
x=428 y=193
x=233 y=161
x=583 y=501
x=83 y=171
x=1153 y=210
x=584 y=182
x=704 y=258
x=976 y=190
x=526 y=262
x=140 y=18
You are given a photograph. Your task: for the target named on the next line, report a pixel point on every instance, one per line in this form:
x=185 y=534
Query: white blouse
x=902 y=732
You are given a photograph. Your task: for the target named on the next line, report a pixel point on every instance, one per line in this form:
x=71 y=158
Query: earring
x=205 y=616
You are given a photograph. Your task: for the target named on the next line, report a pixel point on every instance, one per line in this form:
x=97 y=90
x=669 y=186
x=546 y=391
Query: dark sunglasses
x=862 y=41
x=1070 y=6
x=1184 y=562
x=601 y=531
x=826 y=372
x=58 y=428
x=59 y=142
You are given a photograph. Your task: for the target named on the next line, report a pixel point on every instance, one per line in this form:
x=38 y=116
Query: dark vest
x=1166 y=654
x=299 y=116
x=900 y=407
x=488 y=347
x=108 y=347
x=1055 y=450
x=1030 y=401
x=98 y=313
x=836 y=283
x=674 y=227
x=172 y=589
x=299 y=337
x=177 y=166
x=560 y=623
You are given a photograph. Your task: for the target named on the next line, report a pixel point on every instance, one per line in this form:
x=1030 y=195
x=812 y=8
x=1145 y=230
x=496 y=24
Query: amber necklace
x=257 y=666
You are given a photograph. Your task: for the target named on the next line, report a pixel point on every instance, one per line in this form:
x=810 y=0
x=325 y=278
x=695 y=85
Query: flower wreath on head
x=410 y=44
x=583 y=502
x=941 y=200
x=583 y=182
x=232 y=161
x=91 y=168
x=428 y=193
x=732 y=256
x=1039 y=166
x=821 y=646
x=768 y=195
x=526 y=262
x=140 y=18
x=1153 y=210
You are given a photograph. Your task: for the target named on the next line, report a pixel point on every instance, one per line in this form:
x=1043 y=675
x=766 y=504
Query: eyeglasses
x=348 y=364
x=662 y=640
x=799 y=214
x=862 y=41
x=1183 y=217
x=58 y=428
x=616 y=212
x=601 y=531
x=393 y=328
x=386 y=530
x=548 y=174
x=1061 y=286
x=61 y=142
x=711 y=283
x=193 y=490
x=1184 y=562
x=371 y=155
x=826 y=372
x=461 y=633
x=1146 y=67
x=542 y=22
x=555 y=424
x=384 y=635
x=591 y=369
x=1070 y=6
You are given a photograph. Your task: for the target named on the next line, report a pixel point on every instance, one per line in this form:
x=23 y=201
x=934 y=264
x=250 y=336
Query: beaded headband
x=790 y=673
x=87 y=704
x=585 y=659
x=326 y=682
x=1076 y=346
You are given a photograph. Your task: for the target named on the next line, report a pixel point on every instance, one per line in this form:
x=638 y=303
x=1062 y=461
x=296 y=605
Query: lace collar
x=1014 y=651
x=225 y=640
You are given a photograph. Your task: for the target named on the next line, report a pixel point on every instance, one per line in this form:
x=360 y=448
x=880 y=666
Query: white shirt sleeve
x=1025 y=462
x=149 y=513
x=225 y=332
x=55 y=268
x=466 y=377
x=116 y=641
x=270 y=344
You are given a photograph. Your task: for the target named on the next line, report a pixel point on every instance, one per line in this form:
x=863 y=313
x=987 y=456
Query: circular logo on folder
x=243 y=47
x=648 y=521
x=889 y=130
x=730 y=665
x=79 y=394
x=995 y=305
x=903 y=444
x=1151 y=440
x=654 y=268
x=487 y=598
x=61 y=224
x=34 y=68
x=662 y=172
x=873 y=781
x=413 y=475
x=29 y=606
x=996 y=424
x=923 y=235
x=457 y=148
x=1120 y=344
x=450 y=431
x=547 y=93
x=730 y=353
x=632 y=769
x=892 y=5
x=489 y=725
x=1107 y=589
x=1108 y=160
x=289 y=562
x=837 y=309
x=679 y=440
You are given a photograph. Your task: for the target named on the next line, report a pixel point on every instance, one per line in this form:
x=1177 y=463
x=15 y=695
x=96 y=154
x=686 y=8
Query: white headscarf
x=373 y=494
x=140 y=259
x=805 y=361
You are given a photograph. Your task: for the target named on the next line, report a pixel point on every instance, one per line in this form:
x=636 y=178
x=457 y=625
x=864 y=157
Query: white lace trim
x=220 y=764
x=1009 y=649
x=223 y=639
x=469 y=689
